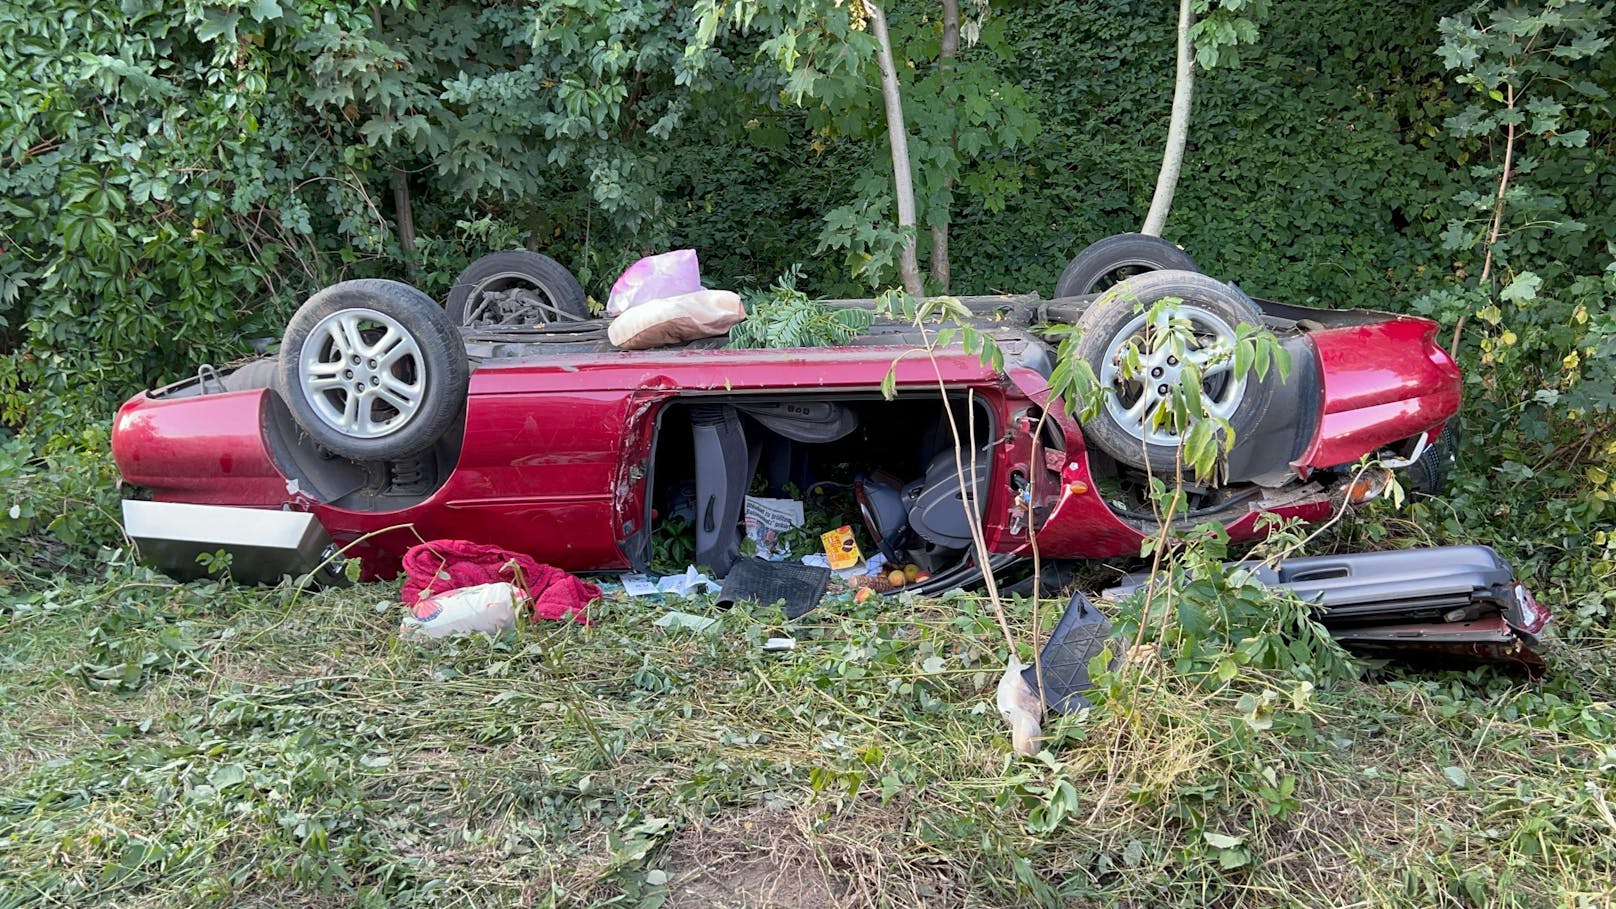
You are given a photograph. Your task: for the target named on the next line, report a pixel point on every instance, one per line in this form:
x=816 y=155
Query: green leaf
x=1222 y=841
x=1522 y=289
x=217 y=24
x=226 y=775
x=265 y=10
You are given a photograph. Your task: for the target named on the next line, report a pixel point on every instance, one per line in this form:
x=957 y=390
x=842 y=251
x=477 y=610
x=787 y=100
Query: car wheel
x=373 y=370
x=1125 y=427
x=516 y=288
x=1105 y=262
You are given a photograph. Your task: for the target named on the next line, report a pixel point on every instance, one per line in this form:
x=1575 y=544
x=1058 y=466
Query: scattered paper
x=687 y=584
x=638 y=585
x=775 y=645
x=818 y=560
x=685 y=620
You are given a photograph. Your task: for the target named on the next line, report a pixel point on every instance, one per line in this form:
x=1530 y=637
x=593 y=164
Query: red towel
x=444 y=565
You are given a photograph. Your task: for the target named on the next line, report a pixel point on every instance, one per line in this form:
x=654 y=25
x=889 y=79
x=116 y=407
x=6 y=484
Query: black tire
x=1106 y=262
x=414 y=386
x=1118 y=315
x=553 y=294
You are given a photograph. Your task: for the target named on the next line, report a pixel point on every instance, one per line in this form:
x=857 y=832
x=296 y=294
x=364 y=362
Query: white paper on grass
x=691 y=582
x=818 y=560
x=676 y=619
x=638 y=585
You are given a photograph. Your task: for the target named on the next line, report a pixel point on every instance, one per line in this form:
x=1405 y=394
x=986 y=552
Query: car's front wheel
x=373 y=370
x=1117 y=334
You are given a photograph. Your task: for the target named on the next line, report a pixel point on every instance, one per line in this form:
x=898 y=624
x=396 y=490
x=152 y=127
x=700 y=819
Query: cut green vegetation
x=784 y=316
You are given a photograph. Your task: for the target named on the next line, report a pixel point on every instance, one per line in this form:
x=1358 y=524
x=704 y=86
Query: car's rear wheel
x=373 y=370
x=1116 y=258
x=516 y=288
x=1127 y=426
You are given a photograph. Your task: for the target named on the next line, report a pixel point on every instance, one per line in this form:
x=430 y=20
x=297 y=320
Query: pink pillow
x=654 y=277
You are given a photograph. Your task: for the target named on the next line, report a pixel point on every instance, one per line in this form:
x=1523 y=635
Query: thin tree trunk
x=1178 y=128
x=1503 y=187
x=1498 y=216
x=947 y=54
x=403 y=211
x=405 y=215
x=903 y=184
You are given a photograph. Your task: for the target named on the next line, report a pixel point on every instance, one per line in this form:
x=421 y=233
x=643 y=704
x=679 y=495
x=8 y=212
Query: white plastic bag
x=488 y=608
x=674 y=320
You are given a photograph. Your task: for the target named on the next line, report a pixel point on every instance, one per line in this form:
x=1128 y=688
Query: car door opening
x=885 y=468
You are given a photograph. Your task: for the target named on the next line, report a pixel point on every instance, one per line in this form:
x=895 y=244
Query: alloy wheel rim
x=363 y=373
x=1133 y=401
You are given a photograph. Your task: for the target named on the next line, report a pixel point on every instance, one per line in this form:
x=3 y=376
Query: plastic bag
x=488 y=608
x=668 y=274
x=671 y=320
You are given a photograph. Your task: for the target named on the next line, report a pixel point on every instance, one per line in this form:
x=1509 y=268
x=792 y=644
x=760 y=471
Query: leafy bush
x=61 y=498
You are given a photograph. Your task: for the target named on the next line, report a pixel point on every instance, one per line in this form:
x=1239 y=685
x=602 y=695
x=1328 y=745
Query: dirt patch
x=796 y=859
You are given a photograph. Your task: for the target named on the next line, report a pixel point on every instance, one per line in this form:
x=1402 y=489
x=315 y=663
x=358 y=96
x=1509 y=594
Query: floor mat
x=1077 y=639
x=800 y=586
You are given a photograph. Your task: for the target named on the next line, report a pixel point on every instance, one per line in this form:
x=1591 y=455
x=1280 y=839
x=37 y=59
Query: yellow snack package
x=840 y=548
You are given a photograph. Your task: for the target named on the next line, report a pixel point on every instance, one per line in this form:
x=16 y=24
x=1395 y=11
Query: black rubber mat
x=800 y=586
x=1078 y=638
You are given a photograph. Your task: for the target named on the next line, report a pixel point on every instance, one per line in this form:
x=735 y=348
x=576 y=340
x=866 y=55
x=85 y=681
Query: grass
x=207 y=745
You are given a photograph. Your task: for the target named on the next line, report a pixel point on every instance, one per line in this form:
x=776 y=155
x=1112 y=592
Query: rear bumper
x=262 y=545
x=1380 y=383
x=1459 y=601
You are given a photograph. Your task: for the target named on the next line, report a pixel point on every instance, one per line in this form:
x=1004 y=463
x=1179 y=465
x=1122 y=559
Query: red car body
x=557 y=449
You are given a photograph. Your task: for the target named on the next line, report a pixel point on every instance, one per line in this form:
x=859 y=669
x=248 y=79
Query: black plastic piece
x=799 y=586
x=1082 y=633
x=723 y=467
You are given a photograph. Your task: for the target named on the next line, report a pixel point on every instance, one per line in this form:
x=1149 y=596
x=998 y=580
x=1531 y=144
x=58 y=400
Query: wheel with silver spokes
x=1139 y=395
x=1140 y=358
x=373 y=370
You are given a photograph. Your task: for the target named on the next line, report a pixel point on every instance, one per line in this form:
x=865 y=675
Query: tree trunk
x=405 y=215
x=903 y=185
x=947 y=53
x=1178 y=127
x=403 y=211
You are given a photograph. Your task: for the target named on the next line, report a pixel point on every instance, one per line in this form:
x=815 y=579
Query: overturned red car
x=385 y=420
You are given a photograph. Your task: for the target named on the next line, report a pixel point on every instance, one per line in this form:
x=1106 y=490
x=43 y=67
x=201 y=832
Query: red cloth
x=444 y=565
